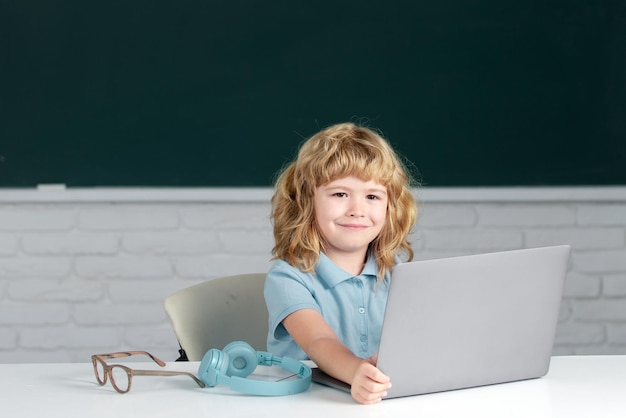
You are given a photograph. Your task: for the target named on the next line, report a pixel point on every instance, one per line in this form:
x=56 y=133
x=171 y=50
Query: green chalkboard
x=221 y=93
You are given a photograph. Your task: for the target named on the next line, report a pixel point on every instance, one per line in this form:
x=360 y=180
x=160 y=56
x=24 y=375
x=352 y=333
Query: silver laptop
x=470 y=321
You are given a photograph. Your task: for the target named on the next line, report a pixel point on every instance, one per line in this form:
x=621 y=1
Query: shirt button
x=361 y=310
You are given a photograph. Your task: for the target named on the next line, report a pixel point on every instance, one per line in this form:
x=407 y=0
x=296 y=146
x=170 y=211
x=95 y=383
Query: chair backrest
x=216 y=312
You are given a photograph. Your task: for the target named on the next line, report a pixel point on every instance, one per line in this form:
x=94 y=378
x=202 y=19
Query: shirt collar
x=331 y=274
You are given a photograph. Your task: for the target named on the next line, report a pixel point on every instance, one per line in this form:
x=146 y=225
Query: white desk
x=580 y=386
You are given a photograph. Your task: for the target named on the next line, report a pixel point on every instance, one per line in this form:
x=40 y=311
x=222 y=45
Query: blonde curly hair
x=339 y=151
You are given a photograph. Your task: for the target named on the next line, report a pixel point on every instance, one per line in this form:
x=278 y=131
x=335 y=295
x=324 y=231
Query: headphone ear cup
x=242 y=359
x=214 y=363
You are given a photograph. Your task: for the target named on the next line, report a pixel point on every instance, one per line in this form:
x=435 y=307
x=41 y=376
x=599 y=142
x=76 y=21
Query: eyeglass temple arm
x=168 y=373
x=122 y=354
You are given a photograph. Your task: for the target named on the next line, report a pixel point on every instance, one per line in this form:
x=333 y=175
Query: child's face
x=350 y=214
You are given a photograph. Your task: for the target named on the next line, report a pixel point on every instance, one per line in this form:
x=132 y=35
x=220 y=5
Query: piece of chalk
x=51 y=187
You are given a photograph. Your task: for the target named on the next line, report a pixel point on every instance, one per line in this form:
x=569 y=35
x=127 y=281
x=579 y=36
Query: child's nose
x=356 y=209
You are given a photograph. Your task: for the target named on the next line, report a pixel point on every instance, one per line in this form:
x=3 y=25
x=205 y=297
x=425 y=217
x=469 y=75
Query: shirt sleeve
x=286 y=291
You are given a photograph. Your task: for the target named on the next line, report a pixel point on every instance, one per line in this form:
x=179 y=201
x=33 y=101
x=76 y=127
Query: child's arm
x=311 y=332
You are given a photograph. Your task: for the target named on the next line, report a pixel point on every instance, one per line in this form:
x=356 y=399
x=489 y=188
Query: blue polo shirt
x=353 y=306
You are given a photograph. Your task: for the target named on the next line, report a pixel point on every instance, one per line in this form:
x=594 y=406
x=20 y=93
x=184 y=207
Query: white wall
x=86 y=271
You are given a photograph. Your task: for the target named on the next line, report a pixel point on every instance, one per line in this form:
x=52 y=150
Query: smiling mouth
x=354 y=227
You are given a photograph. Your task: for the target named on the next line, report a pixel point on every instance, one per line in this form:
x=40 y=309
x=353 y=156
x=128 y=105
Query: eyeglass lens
x=120 y=378
x=100 y=373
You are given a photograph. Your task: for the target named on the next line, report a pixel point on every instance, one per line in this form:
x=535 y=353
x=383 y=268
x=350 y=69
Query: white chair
x=216 y=312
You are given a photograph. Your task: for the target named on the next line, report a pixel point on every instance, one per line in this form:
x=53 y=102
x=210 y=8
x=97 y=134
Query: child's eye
x=372 y=197
x=340 y=194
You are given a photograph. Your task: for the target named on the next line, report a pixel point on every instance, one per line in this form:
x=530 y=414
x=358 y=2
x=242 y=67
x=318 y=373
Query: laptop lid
x=471 y=321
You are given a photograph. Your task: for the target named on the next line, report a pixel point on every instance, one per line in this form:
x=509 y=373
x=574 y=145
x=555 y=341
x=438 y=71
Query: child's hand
x=369 y=384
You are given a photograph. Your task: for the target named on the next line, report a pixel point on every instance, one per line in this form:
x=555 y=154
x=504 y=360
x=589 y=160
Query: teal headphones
x=238 y=359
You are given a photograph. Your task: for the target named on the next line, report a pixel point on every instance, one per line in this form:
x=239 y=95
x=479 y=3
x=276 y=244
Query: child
x=341 y=214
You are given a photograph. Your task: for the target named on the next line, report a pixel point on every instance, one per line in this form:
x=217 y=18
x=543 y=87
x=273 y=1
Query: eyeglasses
x=122 y=377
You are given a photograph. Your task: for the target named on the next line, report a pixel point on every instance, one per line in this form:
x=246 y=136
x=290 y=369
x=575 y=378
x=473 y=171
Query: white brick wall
x=85 y=271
